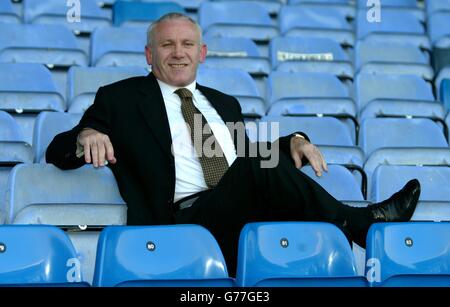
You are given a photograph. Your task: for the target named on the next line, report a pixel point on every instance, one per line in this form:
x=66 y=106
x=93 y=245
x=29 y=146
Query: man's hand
x=97 y=147
x=301 y=148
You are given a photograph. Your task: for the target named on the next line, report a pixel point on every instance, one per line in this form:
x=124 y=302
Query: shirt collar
x=167 y=89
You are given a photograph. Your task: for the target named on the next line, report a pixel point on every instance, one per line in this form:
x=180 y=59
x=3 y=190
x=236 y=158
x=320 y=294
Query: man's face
x=176 y=52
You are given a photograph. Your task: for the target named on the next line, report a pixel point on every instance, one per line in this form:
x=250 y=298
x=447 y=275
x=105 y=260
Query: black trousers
x=248 y=193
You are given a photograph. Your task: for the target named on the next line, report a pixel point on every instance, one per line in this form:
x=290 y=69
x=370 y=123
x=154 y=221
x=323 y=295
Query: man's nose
x=178 y=51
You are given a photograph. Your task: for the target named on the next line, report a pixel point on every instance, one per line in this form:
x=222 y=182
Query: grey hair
x=170 y=16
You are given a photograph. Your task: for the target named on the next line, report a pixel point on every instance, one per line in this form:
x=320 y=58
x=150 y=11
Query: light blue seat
x=83 y=83
x=392 y=58
x=323 y=22
x=396 y=95
x=119 y=46
x=237 y=83
x=8 y=14
x=331 y=135
x=402 y=6
x=434 y=201
x=44 y=194
x=272 y=6
x=236 y=52
x=295 y=254
x=127 y=13
x=190 y=5
x=308 y=93
x=38 y=256
x=444 y=73
x=47 y=126
x=236 y=19
x=308 y=54
x=13 y=148
x=20 y=90
x=395 y=26
x=390 y=3
x=342 y=6
x=169 y=255
x=436 y=6
x=403 y=142
x=439 y=29
x=53 y=45
x=413 y=254
x=58 y=12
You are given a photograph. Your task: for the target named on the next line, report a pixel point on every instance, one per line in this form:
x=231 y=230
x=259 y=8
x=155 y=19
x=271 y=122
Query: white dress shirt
x=188 y=171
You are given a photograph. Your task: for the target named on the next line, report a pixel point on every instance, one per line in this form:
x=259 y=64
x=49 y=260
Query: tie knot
x=183 y=93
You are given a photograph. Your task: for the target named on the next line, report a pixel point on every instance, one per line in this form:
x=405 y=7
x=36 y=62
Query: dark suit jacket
x=132 y=113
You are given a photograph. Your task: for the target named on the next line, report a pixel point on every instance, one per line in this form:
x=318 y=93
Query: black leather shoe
x=400 y=206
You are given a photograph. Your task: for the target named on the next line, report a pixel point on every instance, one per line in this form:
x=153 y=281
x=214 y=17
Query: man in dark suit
x=147 y=129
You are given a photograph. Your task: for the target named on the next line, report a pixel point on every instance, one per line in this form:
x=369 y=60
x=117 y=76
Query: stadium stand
x=8 y=14
x=408 y=256
x=439 y=30
x=150 y=256
x=269 y=256
x=37 y=255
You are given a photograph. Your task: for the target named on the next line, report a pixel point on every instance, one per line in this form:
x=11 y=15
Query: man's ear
x=148 y=54
x=203 y=52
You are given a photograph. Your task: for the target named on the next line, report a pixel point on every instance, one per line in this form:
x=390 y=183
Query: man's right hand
x=97 y=147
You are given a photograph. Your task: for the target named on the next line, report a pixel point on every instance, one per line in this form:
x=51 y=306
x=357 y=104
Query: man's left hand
x=301 y=148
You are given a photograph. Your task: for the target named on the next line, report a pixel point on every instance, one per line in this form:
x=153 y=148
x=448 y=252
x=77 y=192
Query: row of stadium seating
x=398 y=254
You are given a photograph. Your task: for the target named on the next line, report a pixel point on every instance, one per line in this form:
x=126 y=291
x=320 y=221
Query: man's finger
x=94 y=154
x=101 y=154
x=316 y=167
x=297 y=160
x=110 y=152
x=87 y=152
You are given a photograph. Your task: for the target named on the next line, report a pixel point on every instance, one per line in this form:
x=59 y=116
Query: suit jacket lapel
x=154 y=112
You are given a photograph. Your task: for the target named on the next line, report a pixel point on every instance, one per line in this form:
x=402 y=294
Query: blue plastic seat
x=191 y=5
x=235 y=52
x=20 y=91
x=434 y=201
x=396 y=95
x=8 y=14
x=272 y=6
x=58 y=12
x=119 y=46
x=439 y=29
x=127 y=13
x=47 y=126
x=390 y=3
x=44 y=194
x=413 y=254
x=169 y=255
x=236 y=19
x=295 y=254
x=83 y=83
x=345 y=7
x=395 y=26
x=392 y=58
x=237 y=83
x=322 y=22
x=444 y=73
x=46 y=44
x=13 y=148
x=333 y=137
x=307 y=54
x=436 y=6
x=308 y=93
x=38 y=256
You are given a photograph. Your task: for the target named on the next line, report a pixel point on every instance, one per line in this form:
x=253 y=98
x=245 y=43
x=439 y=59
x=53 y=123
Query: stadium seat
x=19 y=91
x=308 y=54
x=44 y=194
x=308 y=93
x=189 y=5
x=437 y=6
x=322 y=22
x=13 y=148
x=236 y=19
x=8 y=14
x=58 y=12
x=439 y=29
x=37 y=255
x=445 y=93
x=119 y=47
x=271 y=6
x=235 y=52
x=295 y=254
x=396 y=95
x=434 y=201
x=151 y=256
x=392 y=58
x=83 y=83
x=444 y=73
x=53 y=45
x=127 y=13
x=47 y=126
x=237 y=83
x=396 y=26
x=390 y=3
x=409 y=254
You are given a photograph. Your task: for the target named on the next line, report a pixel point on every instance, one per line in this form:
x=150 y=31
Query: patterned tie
x=213 y=166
